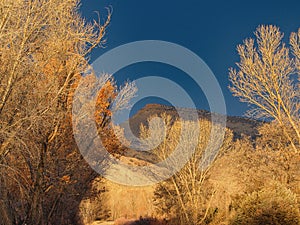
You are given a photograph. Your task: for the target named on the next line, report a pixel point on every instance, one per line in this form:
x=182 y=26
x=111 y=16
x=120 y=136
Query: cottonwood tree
x=183 y=195
x=295 y=44
x=265 y=79
x=44 y=48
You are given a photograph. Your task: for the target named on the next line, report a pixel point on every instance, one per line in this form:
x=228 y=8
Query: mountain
x=239 y=125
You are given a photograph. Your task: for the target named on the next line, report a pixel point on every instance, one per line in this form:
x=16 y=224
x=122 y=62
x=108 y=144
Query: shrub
x=273 y=205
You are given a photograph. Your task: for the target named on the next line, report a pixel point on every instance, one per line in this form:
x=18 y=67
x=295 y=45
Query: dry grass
x=130 y=202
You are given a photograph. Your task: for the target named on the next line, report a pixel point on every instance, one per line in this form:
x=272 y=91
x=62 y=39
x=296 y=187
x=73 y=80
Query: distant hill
x=239 y=125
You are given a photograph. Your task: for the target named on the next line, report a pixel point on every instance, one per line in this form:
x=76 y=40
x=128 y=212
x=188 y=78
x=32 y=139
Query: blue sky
x=211 y=29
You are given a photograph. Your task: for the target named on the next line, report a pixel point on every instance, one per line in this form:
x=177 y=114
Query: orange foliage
x=102 y=109
x=104 y=100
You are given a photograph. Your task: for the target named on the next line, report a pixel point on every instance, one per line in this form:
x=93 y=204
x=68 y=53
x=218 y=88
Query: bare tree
x=264 y=79
x=44 y=45
x=183 y=195
x=295 y=43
